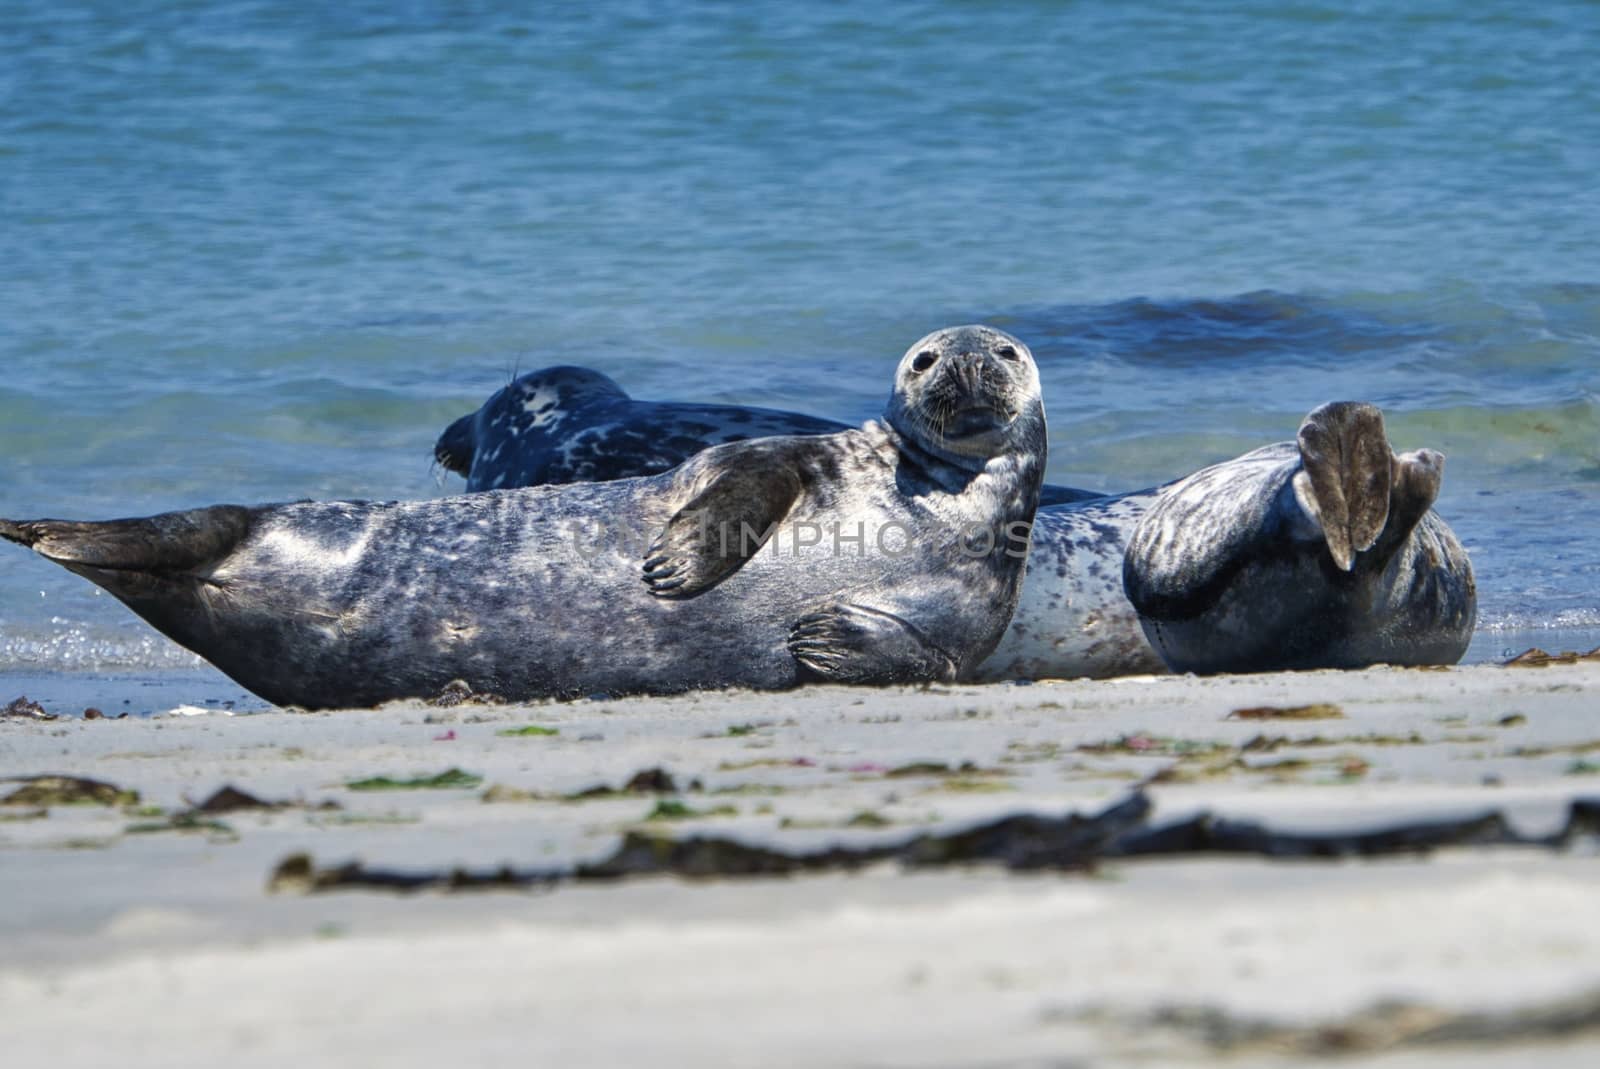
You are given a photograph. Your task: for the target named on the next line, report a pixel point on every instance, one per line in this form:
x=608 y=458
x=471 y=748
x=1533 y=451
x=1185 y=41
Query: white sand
x=164 y=948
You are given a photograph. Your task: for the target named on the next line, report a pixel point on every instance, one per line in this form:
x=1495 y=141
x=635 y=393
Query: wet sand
x=148 y=931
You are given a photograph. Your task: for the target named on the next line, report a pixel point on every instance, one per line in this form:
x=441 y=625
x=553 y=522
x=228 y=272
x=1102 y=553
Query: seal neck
x=954 y=473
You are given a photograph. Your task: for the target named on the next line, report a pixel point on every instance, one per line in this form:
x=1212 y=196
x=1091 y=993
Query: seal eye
x=924 y=360
x=1007 y=352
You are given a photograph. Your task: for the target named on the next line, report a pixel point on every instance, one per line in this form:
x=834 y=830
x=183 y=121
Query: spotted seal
x=1318 y=553
x=567 y=424
x=1322 y=552
x=896 y=555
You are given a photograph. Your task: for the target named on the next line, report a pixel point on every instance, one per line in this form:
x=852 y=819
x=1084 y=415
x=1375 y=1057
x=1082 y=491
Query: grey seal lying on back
x=569 y=424
x=896 y=555
x=1317 y=553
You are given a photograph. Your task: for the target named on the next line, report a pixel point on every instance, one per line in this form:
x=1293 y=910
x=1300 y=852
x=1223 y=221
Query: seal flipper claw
x=724 y=524
x=1346 y=476
x=849 y=643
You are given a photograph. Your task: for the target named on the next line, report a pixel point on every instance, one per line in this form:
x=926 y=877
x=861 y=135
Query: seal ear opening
x=723 y=525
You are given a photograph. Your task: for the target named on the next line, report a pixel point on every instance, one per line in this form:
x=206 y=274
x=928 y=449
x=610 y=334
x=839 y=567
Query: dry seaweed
x=1386 y=1026
x=67 y=790
x=1021 y=842
x=1315 y=711
x=1534 y=657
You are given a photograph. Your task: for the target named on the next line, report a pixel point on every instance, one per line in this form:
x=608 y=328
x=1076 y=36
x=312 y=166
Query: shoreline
x=138 y=910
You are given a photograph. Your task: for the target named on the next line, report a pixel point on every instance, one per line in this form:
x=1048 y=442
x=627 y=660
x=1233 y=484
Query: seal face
x=1323 y=552
x=888 y=553
x=572 y=424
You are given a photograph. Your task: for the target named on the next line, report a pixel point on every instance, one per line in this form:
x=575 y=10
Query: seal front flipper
x=727 y=520
x=847 y=643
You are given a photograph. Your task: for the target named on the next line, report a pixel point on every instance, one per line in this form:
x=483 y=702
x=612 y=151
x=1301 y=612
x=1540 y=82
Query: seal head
x=967 y=393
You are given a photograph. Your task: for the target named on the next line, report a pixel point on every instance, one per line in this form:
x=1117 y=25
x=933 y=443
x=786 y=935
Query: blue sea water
x=261 y=251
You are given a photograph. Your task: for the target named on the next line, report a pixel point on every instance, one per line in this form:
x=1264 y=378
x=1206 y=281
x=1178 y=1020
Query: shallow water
x=254 y=252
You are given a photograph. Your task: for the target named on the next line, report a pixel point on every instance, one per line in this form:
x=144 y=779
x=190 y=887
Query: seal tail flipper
x=1347 y=477
x=455 y=448
x=848 y=643
x=169 y=544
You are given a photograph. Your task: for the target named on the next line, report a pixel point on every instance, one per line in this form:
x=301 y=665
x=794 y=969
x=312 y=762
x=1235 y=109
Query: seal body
x=569 y=424
x=889 y=553
x=1230 y=569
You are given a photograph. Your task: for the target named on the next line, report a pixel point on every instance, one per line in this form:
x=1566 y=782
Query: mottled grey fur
x=1272 y=560
x=573 y=424
x=623 y=586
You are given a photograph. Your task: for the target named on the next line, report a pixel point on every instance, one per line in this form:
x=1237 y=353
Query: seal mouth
x=972 y=420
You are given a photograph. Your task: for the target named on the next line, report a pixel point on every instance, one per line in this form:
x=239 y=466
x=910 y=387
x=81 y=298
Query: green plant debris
x=145 y=812
x=1511 y=720
x=738 y=731
x=673 y=809
x=528 y=731
x=448 y=779
x=756 y=790
x=68 y=790
x=189 y=821
x=1580 y=767
x=1315 y=711
x=868 y=819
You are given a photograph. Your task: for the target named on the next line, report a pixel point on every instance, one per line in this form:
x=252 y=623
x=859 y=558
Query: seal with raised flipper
x=1322 y=552
x=889 y=553
x=1318 y=553
x=568 y=424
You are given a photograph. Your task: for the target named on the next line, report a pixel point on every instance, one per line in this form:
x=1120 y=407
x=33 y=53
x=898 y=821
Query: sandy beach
x=160 y=930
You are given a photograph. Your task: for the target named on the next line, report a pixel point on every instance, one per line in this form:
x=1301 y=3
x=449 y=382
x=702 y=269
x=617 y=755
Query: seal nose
x=967 y=371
